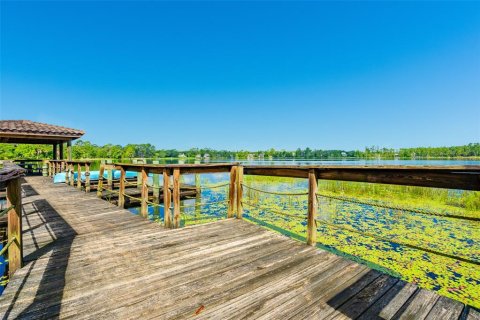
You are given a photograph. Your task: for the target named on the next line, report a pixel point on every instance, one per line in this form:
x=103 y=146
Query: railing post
x=231 y=192
x=109 y=174
x=312 y=208
x=176 y=197
x=144 y=205
x=67 y=174
x=121 y=188
x=166 y=199
x=198 y=187
x=79 y=176
x=156 y=186
x=139 y=176
x=100 y=181
x=239 y=181
x=15 y=251
x=45 y=170
x=72 y=174
x=87 y=177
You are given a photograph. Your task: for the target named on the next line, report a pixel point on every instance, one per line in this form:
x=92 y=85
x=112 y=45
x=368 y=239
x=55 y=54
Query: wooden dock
x=86 y=258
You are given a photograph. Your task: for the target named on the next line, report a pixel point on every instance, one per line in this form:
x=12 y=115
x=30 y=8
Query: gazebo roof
x=26 y=131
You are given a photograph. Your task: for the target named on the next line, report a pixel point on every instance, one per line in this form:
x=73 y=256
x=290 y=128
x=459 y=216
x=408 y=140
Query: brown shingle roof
x=29 y=127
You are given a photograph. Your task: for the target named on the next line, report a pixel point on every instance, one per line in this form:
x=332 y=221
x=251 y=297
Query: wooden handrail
x=450 y=177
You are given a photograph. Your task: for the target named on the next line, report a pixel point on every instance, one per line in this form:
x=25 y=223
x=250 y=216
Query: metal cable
x=393 y=207
x=277 y=193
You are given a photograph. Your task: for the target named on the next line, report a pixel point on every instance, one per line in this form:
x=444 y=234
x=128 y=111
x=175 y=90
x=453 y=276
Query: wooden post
x=166 y=199
x=69 y=150
x=121 y=189
x=176 y=197
x=198 y=188
x=144 y=207
x=312 y=208
x=139 y=176
x=15 y=251
x=198 y=196
x=109 y=174
x=54 y=151
x=79 y=176
x=231 y=192
x=239 y=188
x=100 y=181
x=67 y=174
x=45 y=169
x=72 y=172
x=60 y=151
x=87 y=177
x=156 y=186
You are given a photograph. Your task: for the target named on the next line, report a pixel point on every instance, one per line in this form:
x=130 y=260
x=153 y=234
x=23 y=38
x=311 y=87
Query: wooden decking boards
x=86 y=258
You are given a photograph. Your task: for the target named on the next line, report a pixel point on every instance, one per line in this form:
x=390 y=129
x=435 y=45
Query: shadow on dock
x=56 y=251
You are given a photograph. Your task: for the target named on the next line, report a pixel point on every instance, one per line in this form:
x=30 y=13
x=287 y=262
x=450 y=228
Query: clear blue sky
x=246 y=75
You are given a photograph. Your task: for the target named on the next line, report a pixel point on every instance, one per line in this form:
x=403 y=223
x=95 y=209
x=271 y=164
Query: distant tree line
x=86 y=150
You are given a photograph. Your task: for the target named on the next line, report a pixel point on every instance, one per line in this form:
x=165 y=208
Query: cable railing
x=171 y=190
x=452 y=177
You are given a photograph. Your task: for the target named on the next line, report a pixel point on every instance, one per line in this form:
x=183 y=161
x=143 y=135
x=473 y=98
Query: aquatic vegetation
x=384 y=238
x=382 y=226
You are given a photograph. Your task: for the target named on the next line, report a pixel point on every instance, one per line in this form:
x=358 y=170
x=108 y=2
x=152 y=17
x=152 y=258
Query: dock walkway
x=86 y=258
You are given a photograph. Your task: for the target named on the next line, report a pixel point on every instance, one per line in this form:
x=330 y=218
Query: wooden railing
x=10 y=178
x=171 y=193
x=77 y=165
x=450 y=177
x=32 y=166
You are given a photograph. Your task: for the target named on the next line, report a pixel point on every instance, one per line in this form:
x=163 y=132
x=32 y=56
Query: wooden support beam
x=54 y=151
x=44 y=168
x=121 y=189
x=156 y=186
x=312 y=208
x=15 y=251
x=166 y=199
x=198 y=187
x=60 y=151
x=79 y=176
x=100 y=181
x=87 y=177
x=239 y=181
x=69 y=150
x=231 y=192
x=144 y=204
x=176 y=197
x=72 y=172
x=67 y=174
x=109 y=168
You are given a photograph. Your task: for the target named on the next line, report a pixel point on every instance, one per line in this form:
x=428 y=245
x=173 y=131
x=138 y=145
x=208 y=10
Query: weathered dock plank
x=88 y=259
